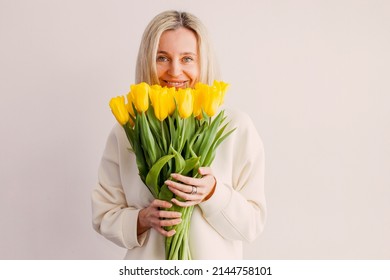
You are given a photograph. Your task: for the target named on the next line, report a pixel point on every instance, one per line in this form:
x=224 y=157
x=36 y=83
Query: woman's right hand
x=153 y=217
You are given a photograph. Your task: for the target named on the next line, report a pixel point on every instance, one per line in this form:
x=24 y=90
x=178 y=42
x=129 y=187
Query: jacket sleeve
x=237 y=209
x=111 y=216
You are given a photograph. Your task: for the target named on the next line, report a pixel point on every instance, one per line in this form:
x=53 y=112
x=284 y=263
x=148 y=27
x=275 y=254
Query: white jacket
x=236 y=212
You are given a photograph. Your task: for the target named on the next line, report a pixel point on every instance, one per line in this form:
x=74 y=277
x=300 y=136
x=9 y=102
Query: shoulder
x=117 y=130
x=245 y=129
x=237 y=117
x=240 y=120
x=116 y=138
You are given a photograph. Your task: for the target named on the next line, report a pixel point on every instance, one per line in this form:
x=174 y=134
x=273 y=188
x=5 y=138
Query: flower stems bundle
x=172 y=131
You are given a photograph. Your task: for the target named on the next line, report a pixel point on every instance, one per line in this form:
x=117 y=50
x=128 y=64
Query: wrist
x=141 y=227
x=212 y=190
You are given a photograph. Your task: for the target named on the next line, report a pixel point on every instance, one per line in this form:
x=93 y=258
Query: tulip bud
x=161 y=101
x=184 y=100
x=171 y=100
x=129 y=104
x=222 y=88
x=198 y=93
x=212 y=101
x=118 y=108
x=140 y=96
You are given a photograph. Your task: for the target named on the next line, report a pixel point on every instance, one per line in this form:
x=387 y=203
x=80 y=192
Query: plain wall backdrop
x=313 y=75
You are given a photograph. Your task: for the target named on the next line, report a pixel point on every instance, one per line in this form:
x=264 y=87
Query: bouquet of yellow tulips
x=172 y=131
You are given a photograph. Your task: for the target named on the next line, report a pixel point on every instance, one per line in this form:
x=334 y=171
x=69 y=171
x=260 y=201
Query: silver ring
x=194 y=190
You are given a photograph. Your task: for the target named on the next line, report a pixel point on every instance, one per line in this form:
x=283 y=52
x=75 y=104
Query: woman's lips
x=177 y=84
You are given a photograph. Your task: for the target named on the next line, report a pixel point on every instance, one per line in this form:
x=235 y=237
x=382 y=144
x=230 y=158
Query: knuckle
x=160 y=214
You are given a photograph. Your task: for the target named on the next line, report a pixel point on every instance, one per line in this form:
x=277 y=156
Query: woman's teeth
x=176 y=84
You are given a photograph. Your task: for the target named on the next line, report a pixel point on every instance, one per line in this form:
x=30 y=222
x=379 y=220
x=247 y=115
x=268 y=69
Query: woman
x=229 y=197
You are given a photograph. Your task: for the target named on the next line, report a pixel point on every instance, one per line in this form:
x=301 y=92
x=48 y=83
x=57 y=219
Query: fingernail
x=174 y=175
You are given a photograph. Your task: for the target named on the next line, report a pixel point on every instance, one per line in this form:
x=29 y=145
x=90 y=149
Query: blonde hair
x=170 y=20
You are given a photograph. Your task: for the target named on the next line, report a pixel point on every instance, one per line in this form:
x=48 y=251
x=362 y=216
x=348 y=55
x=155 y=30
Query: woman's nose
x=174 y=69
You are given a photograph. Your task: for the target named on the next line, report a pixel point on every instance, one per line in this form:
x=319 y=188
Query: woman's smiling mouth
x=176 y=84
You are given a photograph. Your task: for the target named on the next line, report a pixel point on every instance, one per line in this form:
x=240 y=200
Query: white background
x=313 y=75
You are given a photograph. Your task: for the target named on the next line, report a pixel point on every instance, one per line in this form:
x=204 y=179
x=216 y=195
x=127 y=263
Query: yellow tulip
x=162 y=101
x=209 y=97
x=130 y=109
x=222 y=87
x=199 y=92
x=118 y=108
x=140 y=96
x=211 y=100
x=185 y=102
x=129 y=104
x=171 y=104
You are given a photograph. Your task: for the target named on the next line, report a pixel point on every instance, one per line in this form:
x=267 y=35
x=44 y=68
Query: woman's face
x=177 y=58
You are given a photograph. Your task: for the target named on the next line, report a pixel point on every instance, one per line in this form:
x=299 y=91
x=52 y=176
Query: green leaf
x=172 y=131
x=190 y=131
x=211 y=154
x=205 y=118
x=179 y=160
x=182 y=135
x=221 y=139
x=195 y=138
x=156 y=129
x=142 y=164
x=165 y=193
x=210 y=136
x=220 y=131
x=191 y=163
x=166 y=135
x=129 y=133
x=199 y=137
x=154 y=173
x=147 y=140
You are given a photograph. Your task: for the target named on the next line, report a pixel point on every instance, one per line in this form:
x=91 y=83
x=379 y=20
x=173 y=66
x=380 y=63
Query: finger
x=185 y=203
x=168 y=223
x=181 y=187
x=161 y=203
x=184 y=179
x=170 y=233
x=169 y=214
x=205 y=171
x=184 y=195
x=158 y=223
x=164 y=232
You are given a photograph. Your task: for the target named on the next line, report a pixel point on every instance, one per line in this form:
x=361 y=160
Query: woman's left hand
x=192 y=190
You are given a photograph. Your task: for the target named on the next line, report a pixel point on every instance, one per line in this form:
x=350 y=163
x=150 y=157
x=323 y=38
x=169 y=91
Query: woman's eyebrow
x=183 y=53
x=188 y=53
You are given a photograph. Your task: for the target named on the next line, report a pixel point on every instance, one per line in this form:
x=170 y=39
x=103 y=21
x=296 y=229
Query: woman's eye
x=188 y=59
x=162 y=59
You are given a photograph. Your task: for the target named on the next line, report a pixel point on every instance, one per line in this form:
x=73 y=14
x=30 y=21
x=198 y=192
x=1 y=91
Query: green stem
x=177 y=246
x=163 y=137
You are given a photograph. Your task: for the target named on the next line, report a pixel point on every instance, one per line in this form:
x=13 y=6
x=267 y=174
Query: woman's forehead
x=181 y=40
